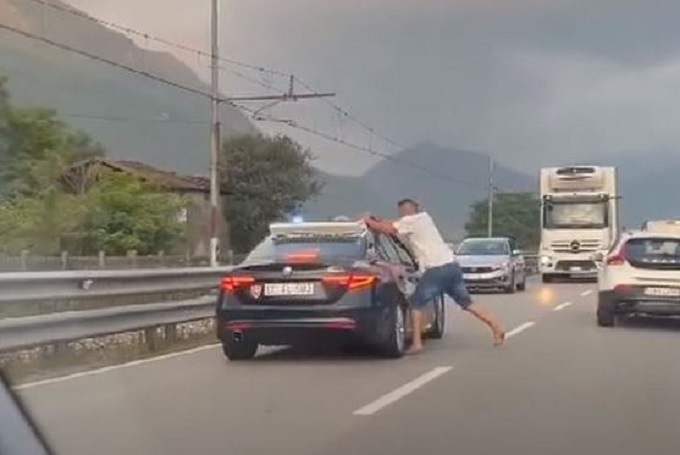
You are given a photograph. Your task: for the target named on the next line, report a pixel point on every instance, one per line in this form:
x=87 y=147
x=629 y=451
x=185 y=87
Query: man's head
x=408 y=207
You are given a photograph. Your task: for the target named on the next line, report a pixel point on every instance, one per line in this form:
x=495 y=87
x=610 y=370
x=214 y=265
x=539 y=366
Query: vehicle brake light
x=624 y=288
x=351 y=282
x=617 y=259
x=303 y=256
x=233 y=283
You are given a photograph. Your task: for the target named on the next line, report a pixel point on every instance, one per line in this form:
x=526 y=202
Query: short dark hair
x=408 y=201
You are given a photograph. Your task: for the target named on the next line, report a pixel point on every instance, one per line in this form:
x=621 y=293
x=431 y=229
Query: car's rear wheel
x=243 y=349
x=439 y=326
x=395 y=344
x=605 y=316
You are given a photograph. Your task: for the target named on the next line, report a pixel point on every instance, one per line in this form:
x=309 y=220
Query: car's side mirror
x=516 y=252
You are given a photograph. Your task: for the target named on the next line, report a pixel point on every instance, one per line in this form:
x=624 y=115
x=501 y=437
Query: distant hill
x=131 y=116
x=447 y=199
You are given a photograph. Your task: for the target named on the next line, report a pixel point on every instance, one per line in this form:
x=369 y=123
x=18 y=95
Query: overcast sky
x=529 y=81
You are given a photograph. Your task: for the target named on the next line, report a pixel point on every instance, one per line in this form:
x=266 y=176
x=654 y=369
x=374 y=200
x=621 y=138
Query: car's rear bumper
x=638 y=303
x=280 y=327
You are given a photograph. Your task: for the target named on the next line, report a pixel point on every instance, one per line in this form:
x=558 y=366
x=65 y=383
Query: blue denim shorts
x=445 y=279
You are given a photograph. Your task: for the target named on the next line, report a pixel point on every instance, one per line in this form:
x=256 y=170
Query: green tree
x=124 y=213
x=30 y=135
x=515 y=214
x=265 y=178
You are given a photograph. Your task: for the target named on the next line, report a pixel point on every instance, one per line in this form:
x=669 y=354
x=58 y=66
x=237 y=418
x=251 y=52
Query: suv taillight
x=618 y=258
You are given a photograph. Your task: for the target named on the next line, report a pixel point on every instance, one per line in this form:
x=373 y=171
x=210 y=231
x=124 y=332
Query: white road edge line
x=585 y=293
x=401 y=392
x=519 y=329
x=562 y=306
x=29 y=385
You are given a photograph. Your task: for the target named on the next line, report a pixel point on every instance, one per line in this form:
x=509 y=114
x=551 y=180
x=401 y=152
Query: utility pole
x=215 y=134
x=489 y=222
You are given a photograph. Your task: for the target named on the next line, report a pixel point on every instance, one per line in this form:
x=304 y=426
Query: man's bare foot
x=413 y=350
x=498 y=337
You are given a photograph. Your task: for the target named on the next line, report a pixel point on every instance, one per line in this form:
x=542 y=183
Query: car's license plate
x=288 y=289
x=663 y=292
x=576 y=269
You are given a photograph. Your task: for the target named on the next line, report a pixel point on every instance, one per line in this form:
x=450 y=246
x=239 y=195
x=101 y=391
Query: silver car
x=492 y=263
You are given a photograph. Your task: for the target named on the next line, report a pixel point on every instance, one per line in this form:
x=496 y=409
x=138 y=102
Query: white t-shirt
x=425 y=240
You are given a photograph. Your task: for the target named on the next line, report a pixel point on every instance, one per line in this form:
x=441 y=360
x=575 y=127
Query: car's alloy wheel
x=395 y=344
x=439 y=327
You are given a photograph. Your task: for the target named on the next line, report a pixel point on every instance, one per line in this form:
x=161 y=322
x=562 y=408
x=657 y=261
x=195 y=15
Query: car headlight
x=545 y=260
x=503 y=266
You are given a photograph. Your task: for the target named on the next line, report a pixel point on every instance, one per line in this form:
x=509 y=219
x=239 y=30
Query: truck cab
x=579 y=220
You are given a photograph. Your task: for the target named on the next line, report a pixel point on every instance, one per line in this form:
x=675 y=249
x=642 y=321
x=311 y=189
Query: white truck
x=579 y=220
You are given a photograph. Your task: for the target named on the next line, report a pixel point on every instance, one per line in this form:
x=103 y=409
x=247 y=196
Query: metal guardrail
x=38 y=286
x=62 y=328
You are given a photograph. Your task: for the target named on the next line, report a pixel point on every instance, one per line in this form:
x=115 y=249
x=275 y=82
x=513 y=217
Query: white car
x=640 y=276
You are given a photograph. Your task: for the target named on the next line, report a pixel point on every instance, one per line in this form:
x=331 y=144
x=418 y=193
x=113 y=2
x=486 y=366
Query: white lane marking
x=562 y=306
x=133 y=363
x=585 y=293
x=401 y=392
x=519 y=329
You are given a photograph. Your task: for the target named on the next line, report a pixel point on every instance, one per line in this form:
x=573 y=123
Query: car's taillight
x=624 y=288
x=618 y=258
x=233 y=283
x=351 y=282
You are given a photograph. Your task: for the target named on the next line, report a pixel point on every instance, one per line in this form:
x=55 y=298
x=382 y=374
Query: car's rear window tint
x=653 y=252
x=317 y=247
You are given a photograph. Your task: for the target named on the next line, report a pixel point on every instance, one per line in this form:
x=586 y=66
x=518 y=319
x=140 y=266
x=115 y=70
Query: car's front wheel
x=240 y=349
x=523 y=285
x=394 y=345
x=511 y=287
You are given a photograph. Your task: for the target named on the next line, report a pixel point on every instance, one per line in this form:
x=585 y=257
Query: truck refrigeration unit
x=579 y=220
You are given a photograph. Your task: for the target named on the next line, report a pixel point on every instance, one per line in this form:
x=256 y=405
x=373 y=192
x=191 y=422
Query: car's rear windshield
x=654 y=252
x=311 y=247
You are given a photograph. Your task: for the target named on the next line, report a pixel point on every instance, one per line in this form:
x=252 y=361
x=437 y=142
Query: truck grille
x=567 y=246
x=567 y=265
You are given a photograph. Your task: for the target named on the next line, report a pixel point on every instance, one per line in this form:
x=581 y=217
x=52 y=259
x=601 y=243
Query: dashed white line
x=585 y=293
x=562 y=306
x=133 y=363
x=519 y=329
x=401 y=392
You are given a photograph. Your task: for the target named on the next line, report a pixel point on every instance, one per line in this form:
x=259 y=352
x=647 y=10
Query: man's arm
x=384 y=226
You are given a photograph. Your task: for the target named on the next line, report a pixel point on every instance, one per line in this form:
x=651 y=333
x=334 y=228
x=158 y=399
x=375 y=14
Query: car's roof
x=652 y=235
x=493 y=239
x=351 y=228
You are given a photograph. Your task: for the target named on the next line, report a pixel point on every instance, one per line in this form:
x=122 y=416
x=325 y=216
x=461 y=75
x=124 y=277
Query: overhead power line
x=344 y=113
x=228 y=101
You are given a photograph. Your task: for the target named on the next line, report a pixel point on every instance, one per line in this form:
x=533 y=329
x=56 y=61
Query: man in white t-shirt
x=441 y=272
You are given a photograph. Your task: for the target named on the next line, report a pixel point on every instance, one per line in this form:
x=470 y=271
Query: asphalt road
x=560 y=385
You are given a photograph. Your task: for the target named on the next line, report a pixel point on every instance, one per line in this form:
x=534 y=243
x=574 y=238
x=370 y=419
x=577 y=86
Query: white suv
x=641 y=275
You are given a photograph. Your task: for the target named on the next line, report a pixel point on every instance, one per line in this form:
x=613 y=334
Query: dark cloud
x=532 y=81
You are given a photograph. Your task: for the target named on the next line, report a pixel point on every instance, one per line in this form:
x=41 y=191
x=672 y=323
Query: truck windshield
x=575 y=215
